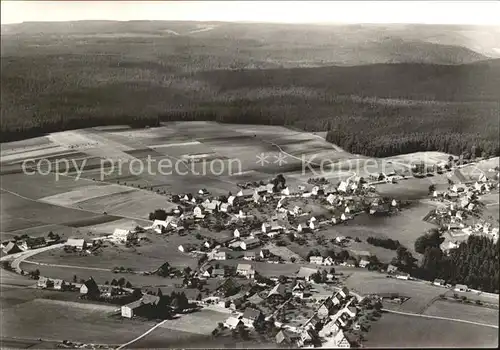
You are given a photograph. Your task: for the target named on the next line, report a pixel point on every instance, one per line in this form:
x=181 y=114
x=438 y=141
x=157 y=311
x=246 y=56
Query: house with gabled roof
x=217 y=255
x=326 y=308
x=318 y=260
x=78 y=243
x=278 y=290
x=249 y=243
x=90 y=288
x=232 y=322
x=251 y=317
x=60 y=284
x=249 y=256
x=11 y=248
x=245 y=270
x=44 y=282
x=286 y=337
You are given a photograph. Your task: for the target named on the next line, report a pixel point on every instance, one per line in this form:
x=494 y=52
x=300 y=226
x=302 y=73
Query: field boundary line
x=142 y=335
x=441 y=318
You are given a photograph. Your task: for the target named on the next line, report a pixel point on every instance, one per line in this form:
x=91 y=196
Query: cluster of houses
x=26 y=243
x=463 y=200
x=331 y=318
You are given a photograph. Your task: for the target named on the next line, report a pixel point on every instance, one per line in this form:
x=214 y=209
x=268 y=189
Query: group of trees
x=474 y=263
x=386 y=243
x=432 y=239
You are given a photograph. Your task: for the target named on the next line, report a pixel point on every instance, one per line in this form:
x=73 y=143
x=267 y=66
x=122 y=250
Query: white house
x=121 y=235
x=461 y=288
x=160 y=225
x=347 y=210
x=331 y=198
x=78 y=243
x=394 y=203
x=363 y=263
x=217 y=255
x=198 y=212
x=256 y=197
x=315 y=190
x=224 y=207
x=230 y=200
x=343 y=186
x=232 y=322
x=318 y=260
x=250 y=243
x=285 y=191
x=245 y=270
x=343 y=217
x=299 y=228
x=312 y=226
x=236 y=233
x=328 y=261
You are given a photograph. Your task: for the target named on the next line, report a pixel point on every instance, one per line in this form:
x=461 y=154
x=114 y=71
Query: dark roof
x=91 y=285
x=251 y=314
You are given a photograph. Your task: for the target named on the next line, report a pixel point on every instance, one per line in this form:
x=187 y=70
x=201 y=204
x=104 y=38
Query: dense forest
x=375 y=109
x=475 y=262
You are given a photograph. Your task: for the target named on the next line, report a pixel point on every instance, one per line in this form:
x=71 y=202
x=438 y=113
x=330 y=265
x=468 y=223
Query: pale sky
x=428 y=12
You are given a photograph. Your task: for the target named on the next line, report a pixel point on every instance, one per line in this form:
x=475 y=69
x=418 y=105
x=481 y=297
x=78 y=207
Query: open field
x=59 y=320
x=146 y=257
x=84 y=193
x=411 y=331
x=202 y=322
x=469 y=312
x=421 y=294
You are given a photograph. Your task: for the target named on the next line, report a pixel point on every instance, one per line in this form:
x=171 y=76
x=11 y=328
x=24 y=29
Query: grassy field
x=57 y=320
x=469 y=312
x=399 y=331
x=421 y=294
x=146 y=257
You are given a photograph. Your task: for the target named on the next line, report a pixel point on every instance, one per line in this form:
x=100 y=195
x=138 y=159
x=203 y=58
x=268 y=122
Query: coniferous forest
x=376 y=110
x=474 y=263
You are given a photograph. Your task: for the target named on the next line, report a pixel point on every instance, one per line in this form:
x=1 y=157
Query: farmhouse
x=278 y=290
x=44 y=282
x=60 y=284
x=318 y=260
x=140 y=307
x=363 y=263
x=11 y=248
x=217 y=255
x=122 y=235
x=236 y=233
x=251 y=317
x=198 y=213
x=439 y=282
x=461 y=288
x=250 y=243
x=287 y=338
x=219 y=273
x=232 y=322
x=305 y=273
x=245 y=270
x=224 y=207
x=264 y=253
x=249 y=256
x=90 y=288
x=391 y=268
x=403 y=276
x=325 y=308
x=78 y=243
x=160 y=226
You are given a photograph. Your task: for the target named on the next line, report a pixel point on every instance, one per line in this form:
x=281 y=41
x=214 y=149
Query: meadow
x=410 y=331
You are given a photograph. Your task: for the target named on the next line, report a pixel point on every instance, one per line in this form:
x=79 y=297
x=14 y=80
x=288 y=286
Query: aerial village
x=310 y=309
